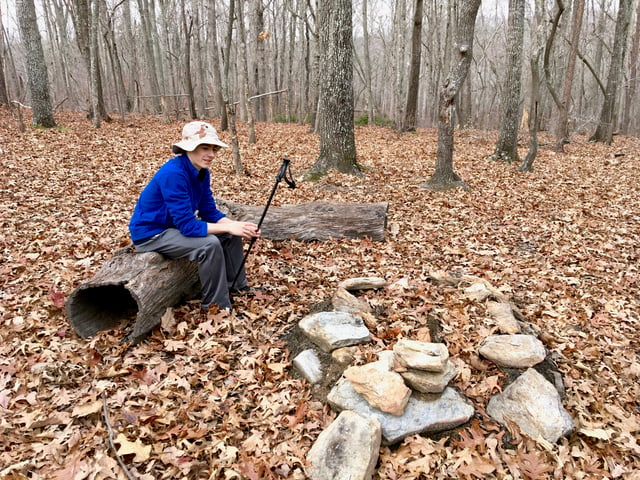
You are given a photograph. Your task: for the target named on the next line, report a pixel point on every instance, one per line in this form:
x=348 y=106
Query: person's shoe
x=246 y=290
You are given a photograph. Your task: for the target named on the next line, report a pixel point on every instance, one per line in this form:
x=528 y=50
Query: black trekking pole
x=283 y=174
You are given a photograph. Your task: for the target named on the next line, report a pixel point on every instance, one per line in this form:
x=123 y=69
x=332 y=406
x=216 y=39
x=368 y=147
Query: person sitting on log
x=176 y=216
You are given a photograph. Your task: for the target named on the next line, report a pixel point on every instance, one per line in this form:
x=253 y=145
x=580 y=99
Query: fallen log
x=144 y=285
x=128 y=284
x=316 y=220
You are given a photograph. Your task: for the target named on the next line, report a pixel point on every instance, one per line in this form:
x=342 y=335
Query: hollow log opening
x=102 y=307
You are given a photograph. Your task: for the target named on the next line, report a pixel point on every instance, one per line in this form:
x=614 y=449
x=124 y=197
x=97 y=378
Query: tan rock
x=343 y=301
x=381 y=387
x=515 y=351
x=504 y=317
x=431 y=357
x=430 y=382
x=363 y=283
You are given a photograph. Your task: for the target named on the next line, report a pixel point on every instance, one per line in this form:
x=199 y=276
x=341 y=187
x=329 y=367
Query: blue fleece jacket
x=176 y=197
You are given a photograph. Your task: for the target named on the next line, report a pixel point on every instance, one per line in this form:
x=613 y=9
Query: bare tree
x=444 y=176
x=82 y=17
x=399 y=31
x=38 y=78
x=409 y=123
x=632 y=83
x=97 y=104
x=259 y=65
x=367 y=63
x=244 y=73
x=562 y=125
x=537 y=47
x=230 y=106
x=507 y=146
x=337 y=137
x=216 y=65
x=187 y=27
x=605 y=128
x=4 y=95
x=147 y=15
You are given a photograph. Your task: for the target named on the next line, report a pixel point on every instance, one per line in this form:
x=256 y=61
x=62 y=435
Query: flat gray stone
x=424 y=413
x=331 y=330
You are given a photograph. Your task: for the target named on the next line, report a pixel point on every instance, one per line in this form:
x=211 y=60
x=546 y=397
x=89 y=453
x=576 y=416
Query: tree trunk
x=562 y=126
x=147 y=43
x=367 y=64
x=507 y=146
x=230 y=106
x=537 y=43
x=606 y=125
x=216 y=67
x=444 y=177
x=259 y=66
x=38 y=78
x=116 y=70
x=409 y=123
x=94 y=65
x=244 y=68
x=337 y=137
x=4 y=95
x=399 y=29
x=548 y=50
x=187 y=27
x=144 y=285
x=82 y=17
x=632 y=84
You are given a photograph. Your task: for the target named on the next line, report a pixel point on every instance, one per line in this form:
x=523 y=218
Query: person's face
x=203 y=155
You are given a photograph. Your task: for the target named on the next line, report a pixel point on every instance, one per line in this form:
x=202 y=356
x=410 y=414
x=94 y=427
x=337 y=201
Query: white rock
x=346 y=450
x=513 y=351
x=331 y=330
x=309 y=366
x=532 y=403
x=424 y=413
x=363 y=283
x=431 y=357
x=503 y=314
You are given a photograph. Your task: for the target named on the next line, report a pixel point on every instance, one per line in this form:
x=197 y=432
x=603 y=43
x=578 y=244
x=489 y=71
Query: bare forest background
x=180 y=58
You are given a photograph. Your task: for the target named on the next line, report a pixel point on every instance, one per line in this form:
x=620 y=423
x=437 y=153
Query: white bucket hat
x=197 y=133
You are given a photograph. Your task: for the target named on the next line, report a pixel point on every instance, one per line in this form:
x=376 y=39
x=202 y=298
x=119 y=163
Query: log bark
x=131 y=284
x=316 y=220
x=141 y=286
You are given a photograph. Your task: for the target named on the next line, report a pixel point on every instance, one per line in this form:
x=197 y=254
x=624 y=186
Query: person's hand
x=246 y=230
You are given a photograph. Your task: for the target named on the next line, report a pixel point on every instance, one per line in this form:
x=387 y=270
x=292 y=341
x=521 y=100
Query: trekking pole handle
x=285 y=173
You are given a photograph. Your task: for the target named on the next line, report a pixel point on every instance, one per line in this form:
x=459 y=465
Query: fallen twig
x=105 y=414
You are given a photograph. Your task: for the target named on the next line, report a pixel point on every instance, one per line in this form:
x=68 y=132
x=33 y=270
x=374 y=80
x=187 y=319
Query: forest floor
x=220 y=399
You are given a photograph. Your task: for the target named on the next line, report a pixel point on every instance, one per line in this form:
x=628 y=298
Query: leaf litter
x=219 y=399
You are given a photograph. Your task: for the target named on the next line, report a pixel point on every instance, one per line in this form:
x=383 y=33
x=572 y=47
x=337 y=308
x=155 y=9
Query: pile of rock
x=402 y=393
x=406 y=391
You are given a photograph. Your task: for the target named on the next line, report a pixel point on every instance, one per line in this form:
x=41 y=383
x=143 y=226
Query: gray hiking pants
x=219 y=257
